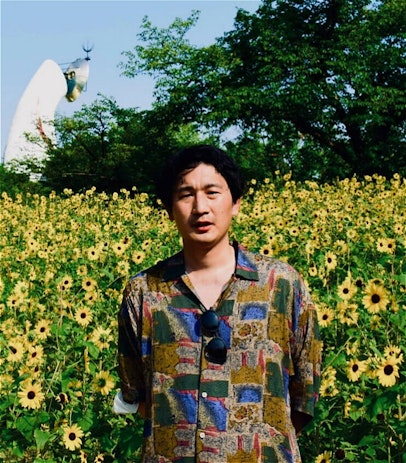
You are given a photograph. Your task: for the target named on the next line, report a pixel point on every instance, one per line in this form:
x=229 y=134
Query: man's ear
x=236 y=207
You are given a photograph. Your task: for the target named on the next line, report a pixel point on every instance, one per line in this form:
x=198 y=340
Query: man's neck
x=209 y=259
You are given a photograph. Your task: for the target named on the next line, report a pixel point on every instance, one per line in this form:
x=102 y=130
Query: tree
x=111 y=148
x=317 y=87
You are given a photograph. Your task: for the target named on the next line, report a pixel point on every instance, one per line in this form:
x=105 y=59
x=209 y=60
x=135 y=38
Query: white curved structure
x=33 y=123
x=32 y=129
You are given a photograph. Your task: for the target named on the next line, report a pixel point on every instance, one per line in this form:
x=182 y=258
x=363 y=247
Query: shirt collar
x=245 y=268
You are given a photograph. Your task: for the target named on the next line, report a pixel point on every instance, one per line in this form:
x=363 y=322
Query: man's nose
x=200 y=204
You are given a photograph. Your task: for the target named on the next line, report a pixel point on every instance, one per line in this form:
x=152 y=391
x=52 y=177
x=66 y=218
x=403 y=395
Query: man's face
x=203 y=206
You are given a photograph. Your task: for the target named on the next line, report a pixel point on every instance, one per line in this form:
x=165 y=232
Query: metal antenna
x=87 y=49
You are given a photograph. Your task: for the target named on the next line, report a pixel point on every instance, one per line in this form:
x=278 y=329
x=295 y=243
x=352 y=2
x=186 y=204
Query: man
x=218 y=347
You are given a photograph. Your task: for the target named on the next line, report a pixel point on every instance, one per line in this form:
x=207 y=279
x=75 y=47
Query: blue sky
x=32 y=31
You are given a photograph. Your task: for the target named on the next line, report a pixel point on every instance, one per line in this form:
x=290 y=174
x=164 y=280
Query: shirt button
x=204 y=394
x=202 y=435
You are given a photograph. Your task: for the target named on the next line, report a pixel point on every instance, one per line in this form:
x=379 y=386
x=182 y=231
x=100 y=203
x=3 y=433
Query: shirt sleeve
x=121 y=407
x=306 y=352
x=130 y=359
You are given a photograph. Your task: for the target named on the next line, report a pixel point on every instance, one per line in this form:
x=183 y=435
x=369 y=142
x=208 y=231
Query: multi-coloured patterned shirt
x=236 y=412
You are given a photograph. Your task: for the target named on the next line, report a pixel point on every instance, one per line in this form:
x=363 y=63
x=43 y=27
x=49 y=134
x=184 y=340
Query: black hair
x=191 y=157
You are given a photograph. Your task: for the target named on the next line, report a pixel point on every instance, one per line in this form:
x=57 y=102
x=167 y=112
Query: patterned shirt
x=236 y=412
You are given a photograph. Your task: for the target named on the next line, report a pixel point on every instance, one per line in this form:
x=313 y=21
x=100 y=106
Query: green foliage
x=111 y=148
x=317 y=85
x=13 y=181
x=65 y=260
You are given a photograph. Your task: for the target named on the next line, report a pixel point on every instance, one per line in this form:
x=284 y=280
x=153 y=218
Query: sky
x=33 y=31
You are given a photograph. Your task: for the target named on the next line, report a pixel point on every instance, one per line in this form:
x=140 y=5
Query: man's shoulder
x=267 y=264
x=159 y=269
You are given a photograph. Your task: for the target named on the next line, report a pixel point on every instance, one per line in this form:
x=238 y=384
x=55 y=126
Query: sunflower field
x=65 y=260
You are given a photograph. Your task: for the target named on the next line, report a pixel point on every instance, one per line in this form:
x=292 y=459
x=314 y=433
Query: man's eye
x=213 y=193
x=185 y=195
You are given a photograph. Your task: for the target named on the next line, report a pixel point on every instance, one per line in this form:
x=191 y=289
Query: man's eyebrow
x=191 y=188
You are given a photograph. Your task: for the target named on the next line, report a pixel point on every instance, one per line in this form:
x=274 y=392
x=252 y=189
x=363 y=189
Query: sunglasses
x=216 y=350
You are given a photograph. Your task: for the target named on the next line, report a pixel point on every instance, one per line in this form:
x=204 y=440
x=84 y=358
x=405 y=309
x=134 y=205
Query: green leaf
x=87 y=420
x=26 y=425
x=41 y=438
x=93 y=350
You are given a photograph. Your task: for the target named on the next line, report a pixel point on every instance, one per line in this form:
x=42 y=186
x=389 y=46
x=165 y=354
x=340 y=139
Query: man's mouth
x=202 y=226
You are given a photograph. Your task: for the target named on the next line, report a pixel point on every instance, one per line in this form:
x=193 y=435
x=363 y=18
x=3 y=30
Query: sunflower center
x=375 y=298
x=346 y=290
x=388 y=370
x=13 y=350
x=72 y=436
x=355 y=368
x=31 y=395
x=83 y=315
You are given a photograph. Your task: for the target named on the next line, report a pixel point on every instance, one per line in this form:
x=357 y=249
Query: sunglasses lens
x=210 y=321
x=216 y=351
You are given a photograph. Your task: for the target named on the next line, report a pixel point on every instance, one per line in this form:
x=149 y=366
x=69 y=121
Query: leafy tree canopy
x=314 y=87
x=111 y=148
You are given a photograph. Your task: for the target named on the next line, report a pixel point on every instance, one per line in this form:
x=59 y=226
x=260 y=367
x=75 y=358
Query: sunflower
x=313 y=271
x=138 y=256
x=146 y=244
x=35 y=354
x=6 y=380
x=387 y=245
x=101 y=338
x=310 y=248
x=330 y=261
x=119 y=248
x=123 y=267
x=324 y=457
x=89 y=284
x=394 y=352
x=387 y=372
x=72 y=436
x=346 y=290
x=62 y=398
x=355 y=368
x=21 y=289
x=14 y=301
x=375 y=298
x=93 y=253
x=352 y=234
x=294 y=231
x=328 y=386
x=83 y=316
x=347 y=313
x=266 y=250
x=43 y=329
x=65 y=283
x=91 y=297
x=16 y=351
x=103 y=383
x=81 y=270
x=341 y=247
x=325 y=316
x=398 y=228
x=31 y=395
